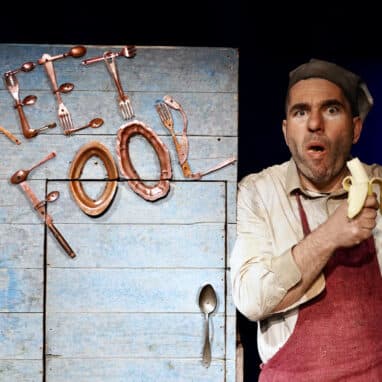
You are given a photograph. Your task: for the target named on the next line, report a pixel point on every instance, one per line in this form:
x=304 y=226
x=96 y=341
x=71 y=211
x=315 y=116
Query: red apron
x=338 y=334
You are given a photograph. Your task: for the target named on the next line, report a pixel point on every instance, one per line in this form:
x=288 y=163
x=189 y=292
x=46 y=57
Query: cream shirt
x=262 y=265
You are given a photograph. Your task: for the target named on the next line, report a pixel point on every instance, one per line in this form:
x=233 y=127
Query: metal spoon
x=76 y=51
x=21 y=175
x=51 y=197
x=65 y=87
x=25 y=67
x=207 y=304
x=94 y=123
x=29 y=100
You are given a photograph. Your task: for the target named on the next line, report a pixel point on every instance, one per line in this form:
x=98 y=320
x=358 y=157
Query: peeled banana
x=359 y=186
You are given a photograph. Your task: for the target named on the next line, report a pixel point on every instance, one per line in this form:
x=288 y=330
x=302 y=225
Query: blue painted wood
x=205 y=152
x=21 y=245
x=20 y=336
x=126 y=308
x=20 y=290
x=186 y=203
x=141 y=245
x=21 y=370
x=130 y=290
x=133 y=335
x=135 y=370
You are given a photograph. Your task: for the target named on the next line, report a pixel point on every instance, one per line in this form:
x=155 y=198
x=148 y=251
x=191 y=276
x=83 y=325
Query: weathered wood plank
x=16 y=208
x=186 y=203
x=207 y=115
x=205 y=152
x=21 y=245
x=21 y=290
x=130 y=245
x=134 y=370
x=130 y=290
x=140 y=335
x=20 y=336
x=152 y=69
x=21 y=370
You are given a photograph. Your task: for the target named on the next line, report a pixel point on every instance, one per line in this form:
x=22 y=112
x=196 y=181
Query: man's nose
x=315 y=121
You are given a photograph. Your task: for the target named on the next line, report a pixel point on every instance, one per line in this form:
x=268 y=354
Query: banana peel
x=359 y=186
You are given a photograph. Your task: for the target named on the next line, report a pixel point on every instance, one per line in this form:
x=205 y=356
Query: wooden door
x=126 y=307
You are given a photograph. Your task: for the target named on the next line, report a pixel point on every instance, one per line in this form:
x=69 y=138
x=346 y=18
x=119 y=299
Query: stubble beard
x=320 y=172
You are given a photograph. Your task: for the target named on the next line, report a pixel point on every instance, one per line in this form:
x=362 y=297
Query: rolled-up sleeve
x=260 y=277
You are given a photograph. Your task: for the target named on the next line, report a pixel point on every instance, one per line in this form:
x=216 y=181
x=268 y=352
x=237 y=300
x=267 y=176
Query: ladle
x=207 y=304
x=21 y=175
x=94 y=123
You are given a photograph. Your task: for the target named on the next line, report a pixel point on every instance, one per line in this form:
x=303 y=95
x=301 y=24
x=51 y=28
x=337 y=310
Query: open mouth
x=316 y=148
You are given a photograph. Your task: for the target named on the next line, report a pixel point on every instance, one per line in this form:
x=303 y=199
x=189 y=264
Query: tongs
x=181 y=144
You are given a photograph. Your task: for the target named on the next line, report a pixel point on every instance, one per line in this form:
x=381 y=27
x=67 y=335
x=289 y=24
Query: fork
x=124 y=100
x=64 y=116
x=168 y=122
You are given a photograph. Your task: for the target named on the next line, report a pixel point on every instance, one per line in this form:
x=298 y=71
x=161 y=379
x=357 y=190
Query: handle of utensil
x=207 y=345
x=64 y=244
x=9 y=135
x=28 y=132
x=92 y=60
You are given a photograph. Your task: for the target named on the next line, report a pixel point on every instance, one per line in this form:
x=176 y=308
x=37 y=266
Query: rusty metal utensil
x=66 y=87
x=75 y=51
x=51 y=197
x=108 y=57
x=13 y=88
x=29 y=100
x=22 y=175
x=168 y=122
x=9 y=135
x=127 y=51
x=207 y=304
x=64 y=116
x=25 y=67
x=94 y=124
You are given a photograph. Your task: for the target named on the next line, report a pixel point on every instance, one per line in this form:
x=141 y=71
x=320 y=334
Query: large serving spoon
x=207 y=304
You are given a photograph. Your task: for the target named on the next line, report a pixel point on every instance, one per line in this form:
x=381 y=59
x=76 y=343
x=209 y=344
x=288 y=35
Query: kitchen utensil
x=9 y=135
x=94 y=124
x=22 y=175
x=207 y=304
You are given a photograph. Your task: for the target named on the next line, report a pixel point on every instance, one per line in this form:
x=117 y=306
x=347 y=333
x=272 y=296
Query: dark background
x=272 y=40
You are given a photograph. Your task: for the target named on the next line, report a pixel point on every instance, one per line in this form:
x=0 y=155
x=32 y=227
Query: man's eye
x=333 y=109
x=299 y=113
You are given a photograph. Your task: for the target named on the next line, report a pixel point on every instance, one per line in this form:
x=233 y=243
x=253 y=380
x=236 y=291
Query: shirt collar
x=292 y=183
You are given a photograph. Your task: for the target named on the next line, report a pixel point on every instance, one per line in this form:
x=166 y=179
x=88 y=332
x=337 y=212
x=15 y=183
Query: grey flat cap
x=354 y=88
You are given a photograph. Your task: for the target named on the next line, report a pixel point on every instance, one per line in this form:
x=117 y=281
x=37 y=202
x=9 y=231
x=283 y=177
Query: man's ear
x=358 y=124
x=284 y=126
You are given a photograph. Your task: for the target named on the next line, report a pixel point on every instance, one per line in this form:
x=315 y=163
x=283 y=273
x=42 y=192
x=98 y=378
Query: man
x=309 y=275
